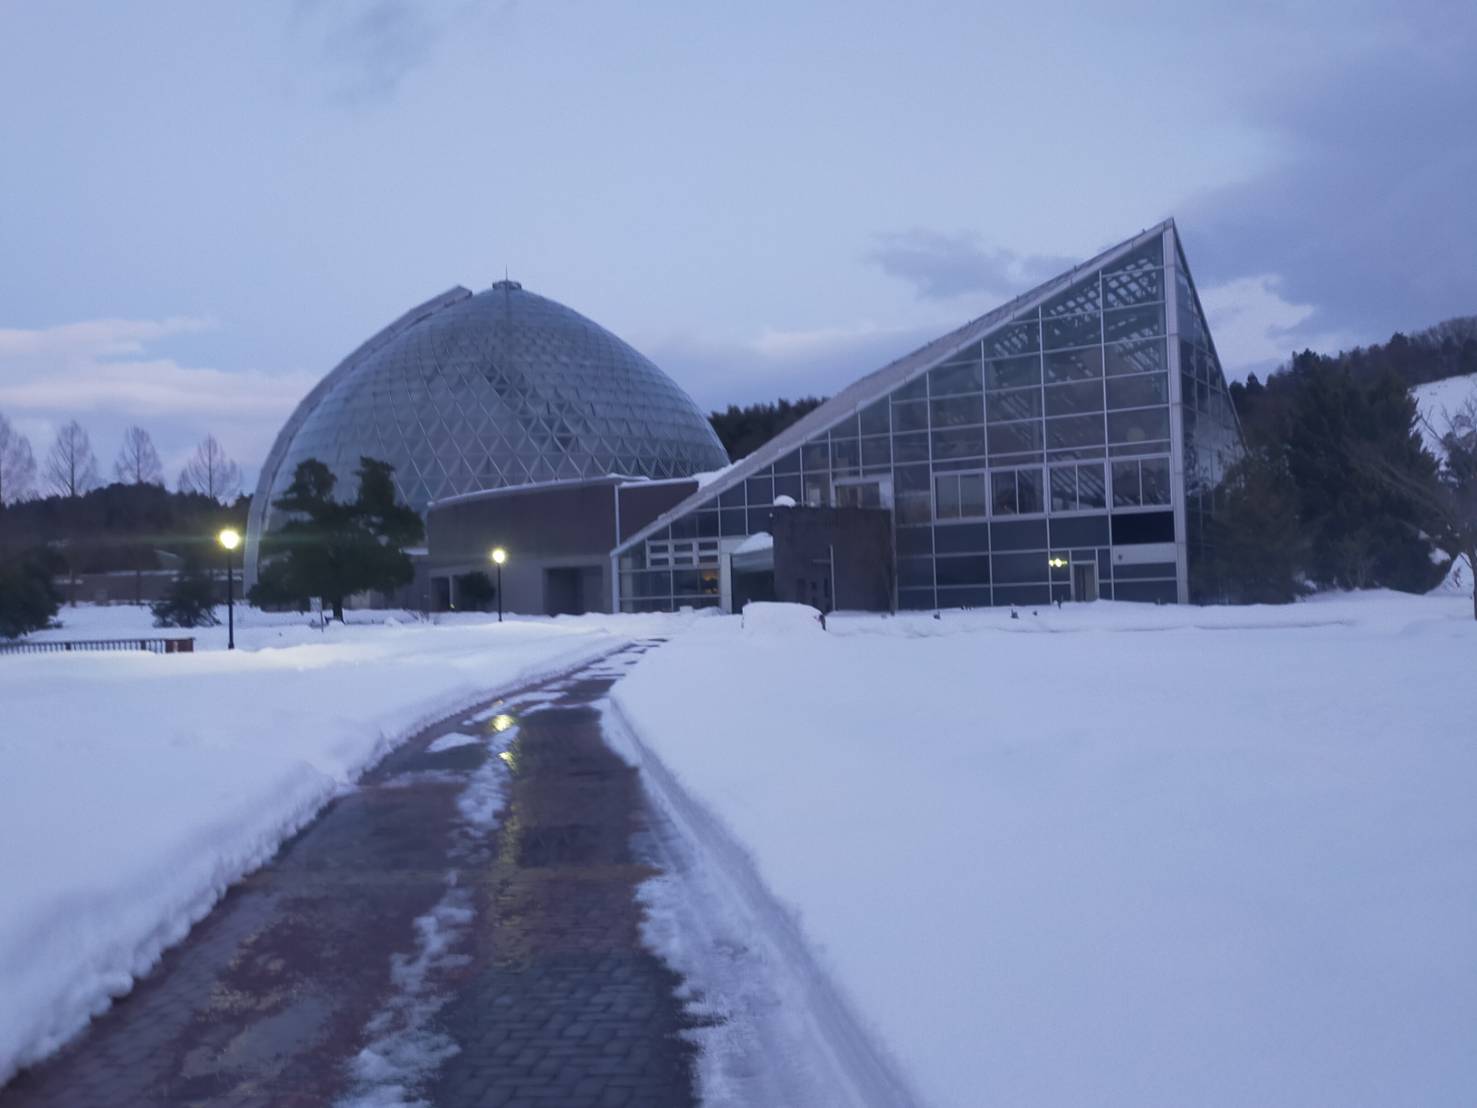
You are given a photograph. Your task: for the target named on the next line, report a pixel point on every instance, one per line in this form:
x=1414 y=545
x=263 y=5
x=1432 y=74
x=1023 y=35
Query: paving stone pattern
x=550 y=998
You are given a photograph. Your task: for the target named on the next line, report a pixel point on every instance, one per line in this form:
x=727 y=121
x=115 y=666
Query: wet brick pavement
x=546 y=992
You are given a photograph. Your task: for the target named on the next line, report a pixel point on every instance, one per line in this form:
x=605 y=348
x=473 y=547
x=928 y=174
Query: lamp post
x=230 y=538
x=499 y=556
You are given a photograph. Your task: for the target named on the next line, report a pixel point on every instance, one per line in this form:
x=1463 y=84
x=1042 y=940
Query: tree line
x=70 y=468
x=1337 y=488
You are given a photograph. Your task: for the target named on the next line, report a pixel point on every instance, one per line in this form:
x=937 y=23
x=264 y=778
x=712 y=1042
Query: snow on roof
x=760 y=540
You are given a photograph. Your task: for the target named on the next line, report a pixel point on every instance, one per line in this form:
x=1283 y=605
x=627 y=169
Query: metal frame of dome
x=466 y=393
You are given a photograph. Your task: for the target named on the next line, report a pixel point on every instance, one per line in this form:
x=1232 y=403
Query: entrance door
x=1084 y=581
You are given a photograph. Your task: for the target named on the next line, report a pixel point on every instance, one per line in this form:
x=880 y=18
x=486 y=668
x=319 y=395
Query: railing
x=54 y=646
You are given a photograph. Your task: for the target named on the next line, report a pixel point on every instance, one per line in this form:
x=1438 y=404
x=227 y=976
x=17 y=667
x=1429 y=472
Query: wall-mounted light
x=1057 y=563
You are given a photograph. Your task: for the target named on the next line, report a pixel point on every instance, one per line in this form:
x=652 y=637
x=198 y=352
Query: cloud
x=101 y=372
x=1369 y=213
x=372 y=46
x=1257 y=328
x=941 y=265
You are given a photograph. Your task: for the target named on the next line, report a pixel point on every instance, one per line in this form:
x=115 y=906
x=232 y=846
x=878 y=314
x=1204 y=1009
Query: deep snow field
x=135 y=788
x=1106 y=855
x=1110 y=854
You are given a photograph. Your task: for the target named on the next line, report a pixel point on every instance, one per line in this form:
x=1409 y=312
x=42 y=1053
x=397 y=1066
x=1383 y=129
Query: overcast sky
x=204 y=206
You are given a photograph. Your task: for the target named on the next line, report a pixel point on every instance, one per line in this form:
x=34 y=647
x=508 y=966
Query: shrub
x=29 y=599
x=190 y=602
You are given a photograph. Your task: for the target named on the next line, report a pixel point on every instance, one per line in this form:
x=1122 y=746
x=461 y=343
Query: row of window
x=1137 y=483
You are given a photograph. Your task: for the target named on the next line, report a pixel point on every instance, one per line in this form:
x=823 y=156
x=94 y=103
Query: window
x=1142 y=390
x=951 y=380
x=1073 y=399
x=957 y=411
x=1141 y=483
x=1018 y=404
x=910 y=416
x=1013 y=373
x=1143 y=425
x=1074 y=365
x=1077 y=488
x=959 y=496
x=1016 y=492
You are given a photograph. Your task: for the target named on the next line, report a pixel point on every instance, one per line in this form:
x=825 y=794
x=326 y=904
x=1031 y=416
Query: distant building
x=1066 y=446
x=473 y=393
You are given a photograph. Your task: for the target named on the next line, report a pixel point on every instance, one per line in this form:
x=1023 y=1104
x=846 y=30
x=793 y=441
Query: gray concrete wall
x=861 y=538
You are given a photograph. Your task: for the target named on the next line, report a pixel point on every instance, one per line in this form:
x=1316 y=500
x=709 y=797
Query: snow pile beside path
x=135 y=788
x=1227 y=862
x=764 y=617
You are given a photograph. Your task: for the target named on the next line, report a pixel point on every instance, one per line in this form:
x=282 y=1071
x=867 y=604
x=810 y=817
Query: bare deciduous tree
x=71 y=466
x=17 y=465
x=211 y=472
x=138 y=461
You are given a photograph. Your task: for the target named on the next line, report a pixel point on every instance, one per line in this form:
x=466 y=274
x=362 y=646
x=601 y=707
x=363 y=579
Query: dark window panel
x=1142 y=390
x=1064 y=489
x=955 y=378
x=1126 y=490
x=912 y=416
x=1138 y=527
x=790 y=463
x=1074 y=365
x=707 y=525
x=1081 y=297
x=846 y=457
x=1154 y=479
x=1015 y=438
x=946 y=497
x=1071 y=330
x=1073 y=431
x=1018 y=404
x=816 y=456
x=914 y=572
x=974 y=497
x=732 y=497
x=876 y=418
x=845 y=428
x=1080 y=531
x=1127 y=288
x=685 y=527
x=961 y=538
x=816 y=490
x=1003 y=500
x=1022 y=337
x=1030 y=491
x=957 y=411
x=760 y=490
x=1144 y=425
x=1135 y=357
x=969 y=570
x=916 y=389
x=760 y=519
x=959 y=442
x=1013 y=373
x=733 y=522
x=1074 y=399
x=1018 y=534
x=1091 y=487
x=915 y=540
x=876 y=451
x=1125 y=324
x=1016 y=569
x=910 y=448
x=788 y=484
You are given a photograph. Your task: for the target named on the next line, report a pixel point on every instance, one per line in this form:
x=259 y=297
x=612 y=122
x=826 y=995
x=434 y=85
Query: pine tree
x=334 y=550
x=1258 y=545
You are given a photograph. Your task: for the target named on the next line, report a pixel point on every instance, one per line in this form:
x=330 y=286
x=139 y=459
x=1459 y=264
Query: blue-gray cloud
x=371 y=46
x=940 y=265
x=1370 y=216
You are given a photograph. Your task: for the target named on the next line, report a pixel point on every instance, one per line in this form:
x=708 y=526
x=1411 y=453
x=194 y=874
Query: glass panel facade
x=1050 y=437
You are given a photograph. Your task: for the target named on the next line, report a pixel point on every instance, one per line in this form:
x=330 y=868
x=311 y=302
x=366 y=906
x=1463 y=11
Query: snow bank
x=765 y=617
x=1113 y=854
x=135 y=788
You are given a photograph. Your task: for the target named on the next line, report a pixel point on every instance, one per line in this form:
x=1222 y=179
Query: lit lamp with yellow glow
x=230 y=538
x=499 y=556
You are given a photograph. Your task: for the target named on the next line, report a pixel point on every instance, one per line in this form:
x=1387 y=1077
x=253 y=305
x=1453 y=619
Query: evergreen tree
x=28 y=596
x=190 y=601
x=1257 y=540
x=475 y=591
x=744 y=430
x=331 y=549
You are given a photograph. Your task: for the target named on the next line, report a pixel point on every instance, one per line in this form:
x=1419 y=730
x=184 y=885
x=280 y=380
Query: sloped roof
x=863 y=391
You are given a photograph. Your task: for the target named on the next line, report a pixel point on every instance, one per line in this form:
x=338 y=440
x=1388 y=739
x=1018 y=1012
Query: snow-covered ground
x=1110 y=854
x=135 y=788
x=1438 y=402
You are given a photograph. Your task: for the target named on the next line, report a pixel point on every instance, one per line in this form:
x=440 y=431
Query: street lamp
x=499 y=556
x=230 y=538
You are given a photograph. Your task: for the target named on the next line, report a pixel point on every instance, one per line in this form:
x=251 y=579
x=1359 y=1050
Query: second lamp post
x=499 y=556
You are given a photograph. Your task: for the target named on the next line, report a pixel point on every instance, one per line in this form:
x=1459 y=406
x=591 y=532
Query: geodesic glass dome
x=472 y=392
